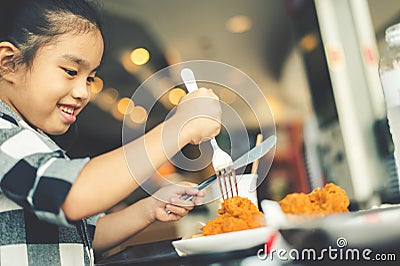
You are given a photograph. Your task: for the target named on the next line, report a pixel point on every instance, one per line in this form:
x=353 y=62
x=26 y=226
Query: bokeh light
x=140 y=56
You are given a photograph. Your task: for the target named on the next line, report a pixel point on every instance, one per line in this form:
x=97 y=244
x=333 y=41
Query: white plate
x=223 y=242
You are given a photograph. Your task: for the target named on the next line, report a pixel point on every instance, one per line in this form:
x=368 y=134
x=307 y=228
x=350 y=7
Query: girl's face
x=51 y=93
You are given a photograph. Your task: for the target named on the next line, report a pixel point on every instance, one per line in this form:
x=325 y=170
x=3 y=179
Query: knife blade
x=256 y=153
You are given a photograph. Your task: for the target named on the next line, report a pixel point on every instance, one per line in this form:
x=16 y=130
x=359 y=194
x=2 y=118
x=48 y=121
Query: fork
x=221 y=161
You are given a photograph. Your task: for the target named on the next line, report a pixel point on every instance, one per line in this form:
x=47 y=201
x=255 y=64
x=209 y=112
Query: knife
x=256 y=153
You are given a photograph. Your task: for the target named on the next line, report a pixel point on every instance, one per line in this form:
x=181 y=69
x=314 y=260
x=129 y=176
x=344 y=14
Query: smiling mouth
x=67 y=111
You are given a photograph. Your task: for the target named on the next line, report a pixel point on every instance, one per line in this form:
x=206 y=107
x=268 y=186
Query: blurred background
x=315 y=61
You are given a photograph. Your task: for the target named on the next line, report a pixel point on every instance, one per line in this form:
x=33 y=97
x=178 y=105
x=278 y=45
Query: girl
x=49 y=53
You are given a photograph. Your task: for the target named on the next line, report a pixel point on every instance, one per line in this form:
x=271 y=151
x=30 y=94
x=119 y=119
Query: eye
x=90 y=79
x=70 y=72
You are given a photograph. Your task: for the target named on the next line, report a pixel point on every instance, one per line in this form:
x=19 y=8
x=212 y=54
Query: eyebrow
x=79 y=61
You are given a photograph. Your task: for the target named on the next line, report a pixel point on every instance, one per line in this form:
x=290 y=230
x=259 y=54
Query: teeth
x=68 y=110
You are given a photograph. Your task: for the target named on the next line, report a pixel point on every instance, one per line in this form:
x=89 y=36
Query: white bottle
x=389 y=72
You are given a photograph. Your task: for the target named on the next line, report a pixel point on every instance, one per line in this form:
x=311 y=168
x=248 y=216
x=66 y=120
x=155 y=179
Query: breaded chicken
x=236 y=213
x=329 y=199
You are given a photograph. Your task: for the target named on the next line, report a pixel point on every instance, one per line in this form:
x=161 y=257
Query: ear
x=8 y=53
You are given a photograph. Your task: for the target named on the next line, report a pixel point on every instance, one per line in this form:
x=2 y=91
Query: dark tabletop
x=163 y=253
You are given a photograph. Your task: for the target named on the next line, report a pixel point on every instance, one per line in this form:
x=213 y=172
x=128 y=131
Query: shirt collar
x=5 y=109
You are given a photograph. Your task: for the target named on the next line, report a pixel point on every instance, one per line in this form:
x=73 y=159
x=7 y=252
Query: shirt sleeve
x=35 y=175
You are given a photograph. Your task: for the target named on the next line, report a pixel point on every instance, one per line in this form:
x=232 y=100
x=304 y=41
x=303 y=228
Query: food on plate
x=236 y=213
x=330 y=199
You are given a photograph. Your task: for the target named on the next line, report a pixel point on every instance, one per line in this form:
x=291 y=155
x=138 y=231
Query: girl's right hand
x=199 y=113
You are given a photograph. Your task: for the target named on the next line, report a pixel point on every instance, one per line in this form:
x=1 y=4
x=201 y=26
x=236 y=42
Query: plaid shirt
x=35 y=178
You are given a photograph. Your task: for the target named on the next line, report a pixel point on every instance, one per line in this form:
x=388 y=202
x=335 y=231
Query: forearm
x=109 y=178
x=114 y=228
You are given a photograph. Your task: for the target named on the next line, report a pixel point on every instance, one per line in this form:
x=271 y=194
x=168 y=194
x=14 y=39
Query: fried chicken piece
x=237 y=206
x=329 y=199
x=296 y=203
x=332 y=199
x=236 y=213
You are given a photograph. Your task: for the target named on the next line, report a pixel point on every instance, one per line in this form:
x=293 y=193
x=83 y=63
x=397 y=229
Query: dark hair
x=30 y=24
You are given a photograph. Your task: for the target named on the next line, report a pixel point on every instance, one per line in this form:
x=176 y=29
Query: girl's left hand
x=168 y=199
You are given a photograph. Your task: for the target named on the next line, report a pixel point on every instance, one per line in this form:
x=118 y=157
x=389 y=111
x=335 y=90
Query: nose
x=81 y=91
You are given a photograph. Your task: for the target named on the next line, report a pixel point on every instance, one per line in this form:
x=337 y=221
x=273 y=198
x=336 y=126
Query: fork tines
x=227 y=182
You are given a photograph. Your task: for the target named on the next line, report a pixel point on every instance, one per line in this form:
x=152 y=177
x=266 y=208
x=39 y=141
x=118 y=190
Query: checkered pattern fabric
x=35 y=178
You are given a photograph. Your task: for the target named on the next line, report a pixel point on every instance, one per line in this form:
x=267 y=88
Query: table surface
x=163 y=253
x=375 y=229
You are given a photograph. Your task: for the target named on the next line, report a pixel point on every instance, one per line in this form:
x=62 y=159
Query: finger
x=201 y=194
x=171 y=217
x=180 y=211
x=187 y=204
x=187 y=184
x=191 y=191
x=198 y=201
x=207 y=91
